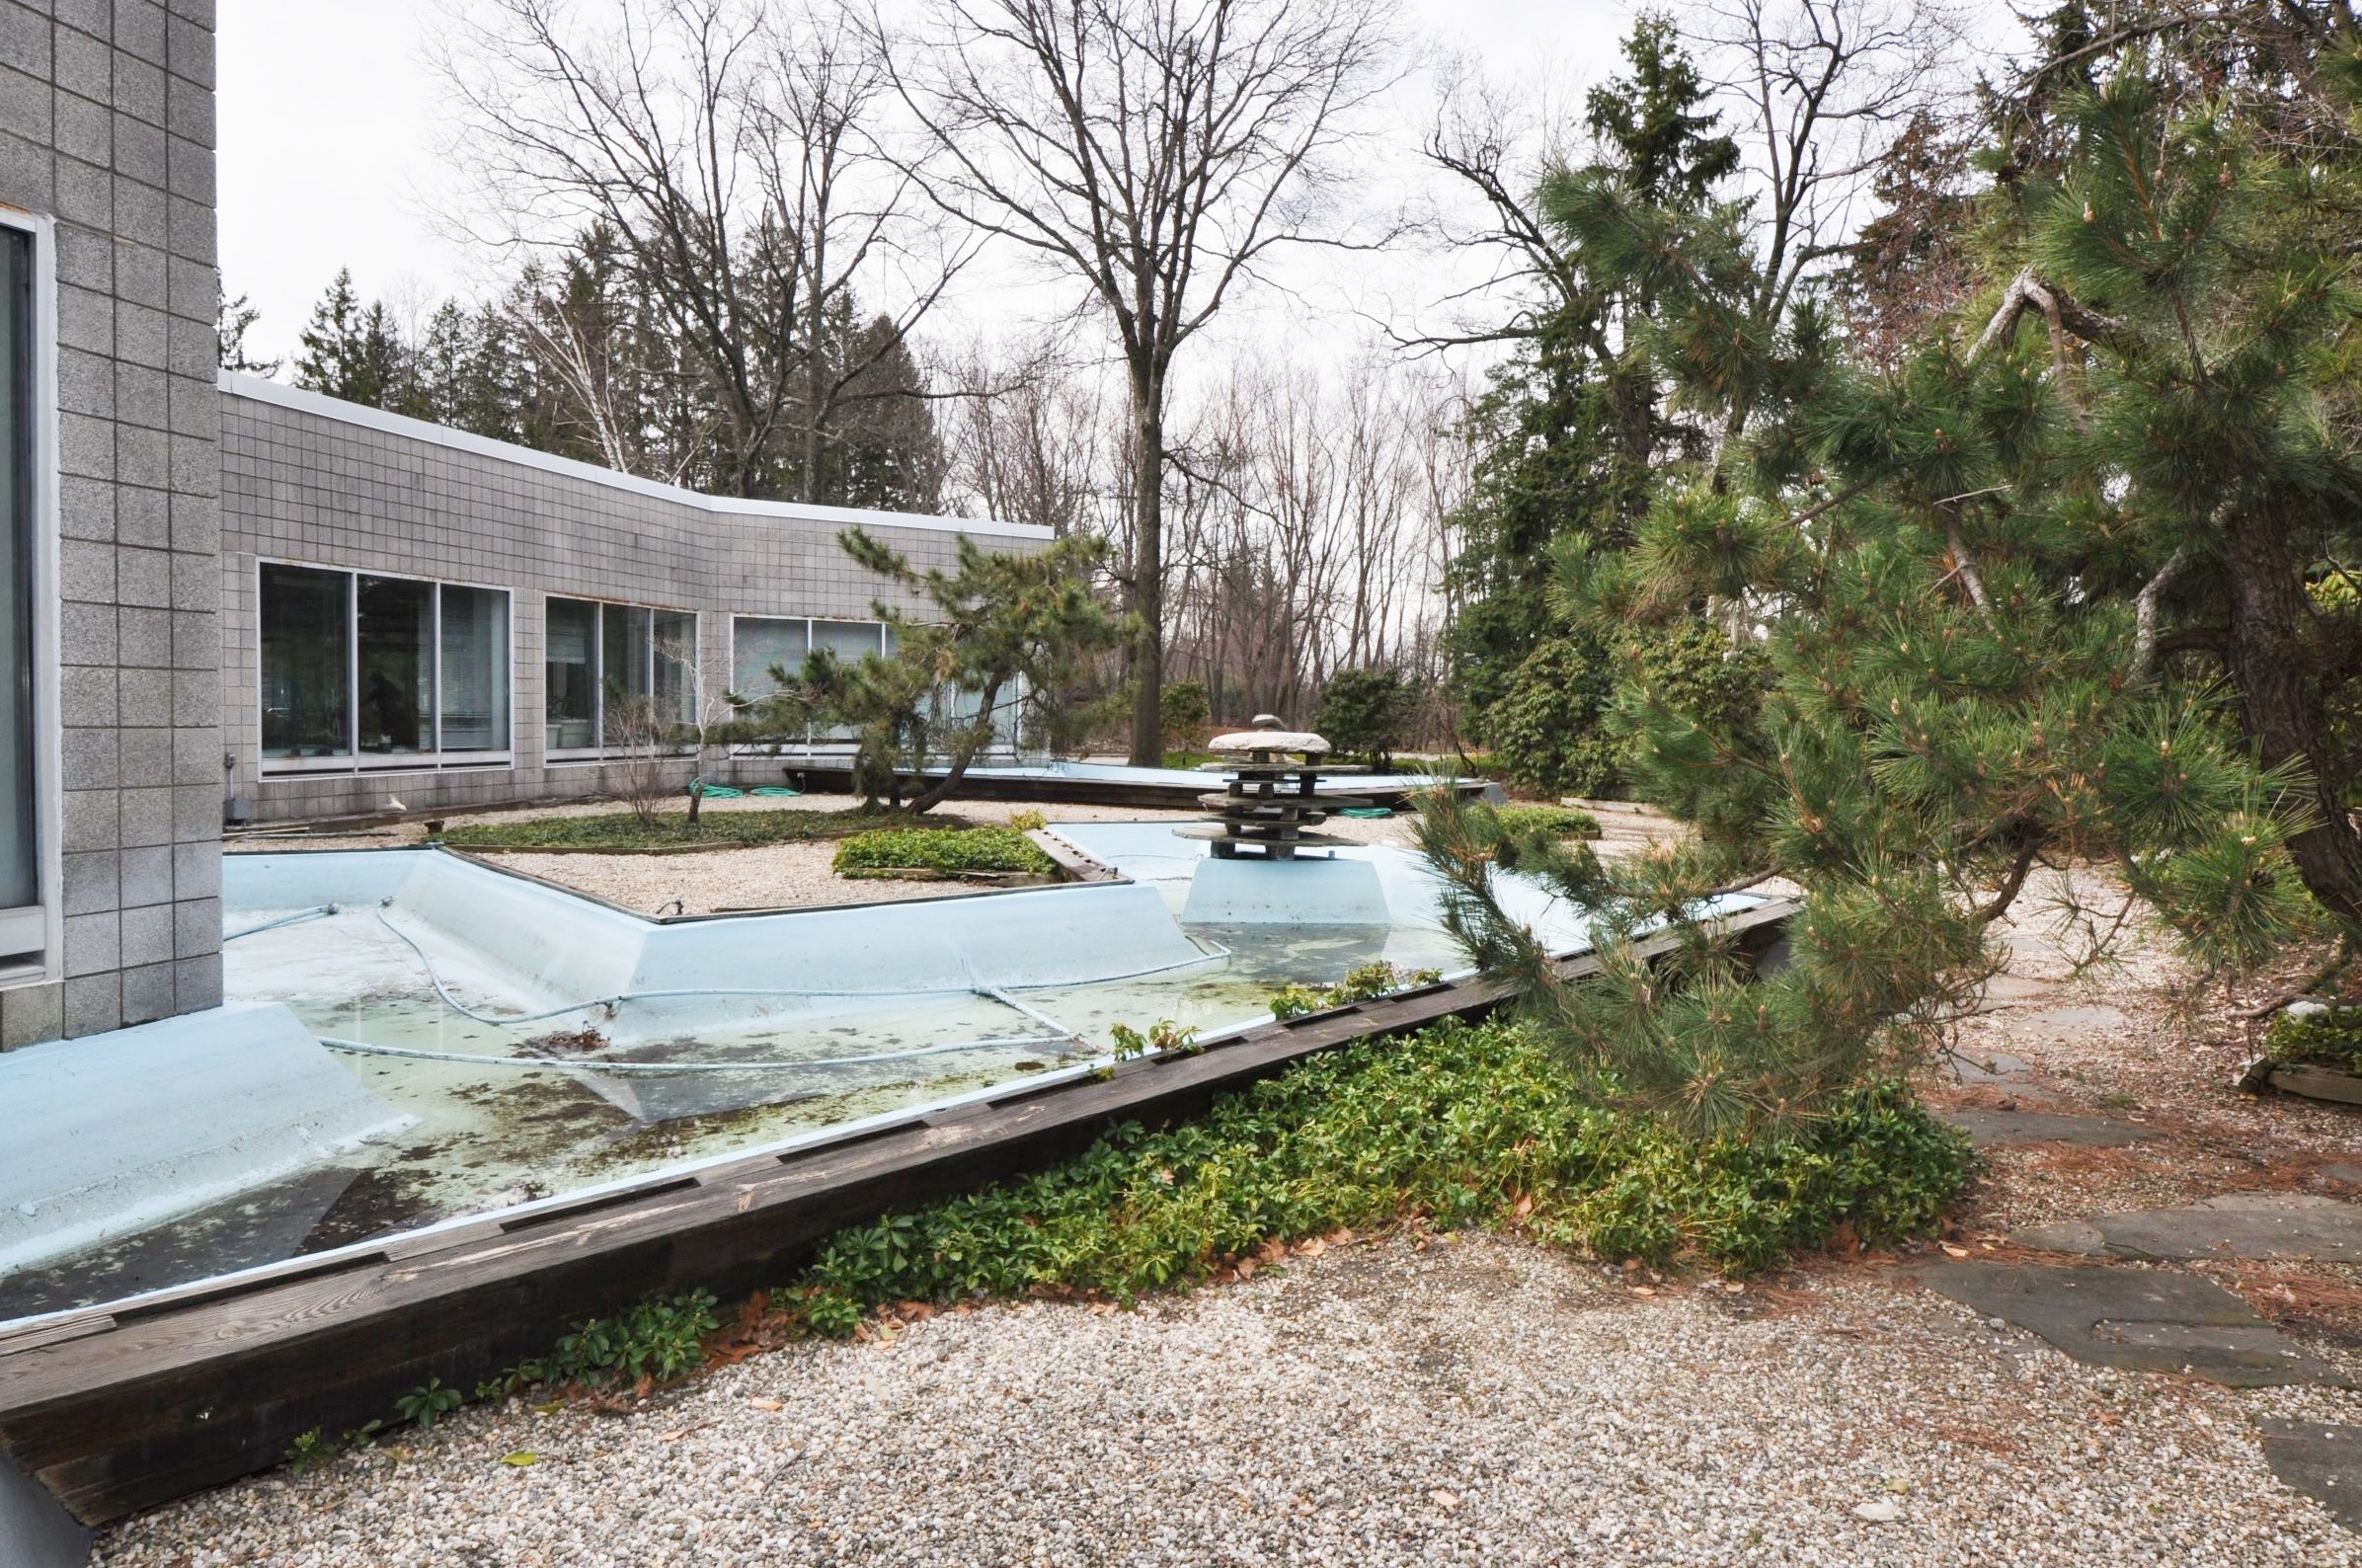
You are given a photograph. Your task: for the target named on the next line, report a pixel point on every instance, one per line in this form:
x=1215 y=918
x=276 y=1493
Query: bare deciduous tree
x=727 y=147
x=1157 y=151
x=643 y=749
x=1026 y=437
x=1821 y=89
x=1308 y=532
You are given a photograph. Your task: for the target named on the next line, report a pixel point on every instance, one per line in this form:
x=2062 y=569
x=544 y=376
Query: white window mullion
x=434 y=696
x=353 y=668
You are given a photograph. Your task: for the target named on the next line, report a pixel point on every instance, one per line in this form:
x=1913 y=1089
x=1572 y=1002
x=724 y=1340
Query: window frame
x=33 y=935
x=814 y=735
x=354 y=760
x=599 y=750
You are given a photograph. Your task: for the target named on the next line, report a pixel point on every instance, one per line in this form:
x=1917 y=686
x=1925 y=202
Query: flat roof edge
x=259 y=390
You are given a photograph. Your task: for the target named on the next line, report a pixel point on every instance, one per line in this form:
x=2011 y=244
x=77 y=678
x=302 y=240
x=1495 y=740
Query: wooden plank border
x=125 y=1408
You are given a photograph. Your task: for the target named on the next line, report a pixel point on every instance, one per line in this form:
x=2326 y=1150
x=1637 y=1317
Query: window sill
x=280 y=769
x=579 y=758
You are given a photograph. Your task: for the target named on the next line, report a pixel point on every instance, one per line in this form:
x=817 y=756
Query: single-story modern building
x=412 y=613
x=220 y=597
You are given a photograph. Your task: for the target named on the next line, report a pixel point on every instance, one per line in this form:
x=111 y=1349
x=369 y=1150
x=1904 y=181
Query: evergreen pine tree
x=1571 y=426
x=1996 y=584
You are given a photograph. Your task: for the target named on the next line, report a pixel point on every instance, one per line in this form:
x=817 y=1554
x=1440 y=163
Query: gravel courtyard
x=1472 y=1401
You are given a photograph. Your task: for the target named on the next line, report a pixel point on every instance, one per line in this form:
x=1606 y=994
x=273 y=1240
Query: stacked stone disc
x=1268 y=809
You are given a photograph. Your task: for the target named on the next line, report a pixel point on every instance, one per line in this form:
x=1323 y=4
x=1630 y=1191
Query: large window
x=381 y=672
x=28 y=847
x=600 y=657
x=760 y=643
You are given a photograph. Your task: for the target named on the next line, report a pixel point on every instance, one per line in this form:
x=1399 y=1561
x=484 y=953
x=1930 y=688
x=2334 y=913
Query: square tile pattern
x=107 y=125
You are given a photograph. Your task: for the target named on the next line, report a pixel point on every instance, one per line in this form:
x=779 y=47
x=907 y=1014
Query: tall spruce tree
x=1571 y=425
x=575 y=358
x=351 y=350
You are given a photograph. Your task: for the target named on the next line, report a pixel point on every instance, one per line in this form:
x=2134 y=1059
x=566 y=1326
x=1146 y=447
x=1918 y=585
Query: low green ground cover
x=951 y=851
x=624 y=830
x=1559 y=822
x=1371 y=980
x=1459 y=1125
x=1463 y=1124
x=2328 y=1039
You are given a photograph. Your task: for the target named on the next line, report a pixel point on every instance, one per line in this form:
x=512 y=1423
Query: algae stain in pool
x=499 y=1131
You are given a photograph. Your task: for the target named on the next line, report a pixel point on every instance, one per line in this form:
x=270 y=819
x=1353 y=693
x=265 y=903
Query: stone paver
x=1986 y=1127
x=2234 y=1225
x=2325 y=1462
x=2137 y=1319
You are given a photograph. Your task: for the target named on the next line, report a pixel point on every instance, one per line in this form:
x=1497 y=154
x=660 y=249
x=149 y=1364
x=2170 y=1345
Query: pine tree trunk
x=1147 y=567
x=962 y=756
x=2271 y=663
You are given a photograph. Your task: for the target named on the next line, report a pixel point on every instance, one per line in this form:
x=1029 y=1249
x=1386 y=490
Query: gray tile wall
x=302 y=485
x=106 y=124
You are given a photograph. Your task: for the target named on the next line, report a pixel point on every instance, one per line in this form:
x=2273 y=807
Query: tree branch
x=2144 y=611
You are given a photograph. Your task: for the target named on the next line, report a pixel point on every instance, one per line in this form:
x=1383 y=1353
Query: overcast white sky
x=329 y=120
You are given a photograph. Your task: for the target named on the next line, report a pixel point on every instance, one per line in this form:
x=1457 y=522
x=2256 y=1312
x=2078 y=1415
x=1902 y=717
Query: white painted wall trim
x=259 y=390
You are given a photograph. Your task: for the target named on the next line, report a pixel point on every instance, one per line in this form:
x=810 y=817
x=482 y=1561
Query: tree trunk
x=815 y=372
x=1147 y=567
x=2270 y=661
x=976 y=739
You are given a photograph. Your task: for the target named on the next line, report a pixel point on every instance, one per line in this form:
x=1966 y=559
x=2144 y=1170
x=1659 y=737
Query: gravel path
x=1480 y=1401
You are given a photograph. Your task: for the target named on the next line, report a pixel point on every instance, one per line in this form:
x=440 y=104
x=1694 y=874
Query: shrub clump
x=1366 y=712
x=1370 y=982
x=1555 y=822
x=945 y=852
x=1545 y=732
x=1461 y=1123
x=2329 y=1038
x=659 y=1339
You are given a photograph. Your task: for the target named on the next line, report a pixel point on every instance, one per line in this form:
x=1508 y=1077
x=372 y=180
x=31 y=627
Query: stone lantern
x=1267 y=809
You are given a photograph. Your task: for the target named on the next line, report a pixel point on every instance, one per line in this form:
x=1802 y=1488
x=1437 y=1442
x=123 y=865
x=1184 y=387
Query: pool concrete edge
x=115 y=1411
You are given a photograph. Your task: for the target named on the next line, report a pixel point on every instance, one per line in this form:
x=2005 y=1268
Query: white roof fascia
x=263 y=391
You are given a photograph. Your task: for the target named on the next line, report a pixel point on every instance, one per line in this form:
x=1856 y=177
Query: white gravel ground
x=1475 y=1402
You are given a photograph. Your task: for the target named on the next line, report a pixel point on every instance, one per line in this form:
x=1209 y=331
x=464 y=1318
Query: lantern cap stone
x=1269 y=740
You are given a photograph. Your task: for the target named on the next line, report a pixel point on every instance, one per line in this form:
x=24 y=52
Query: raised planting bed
x=121 y=1408
x=625 y=832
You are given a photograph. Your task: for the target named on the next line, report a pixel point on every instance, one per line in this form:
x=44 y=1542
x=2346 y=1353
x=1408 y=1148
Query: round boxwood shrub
x=1545 y=732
